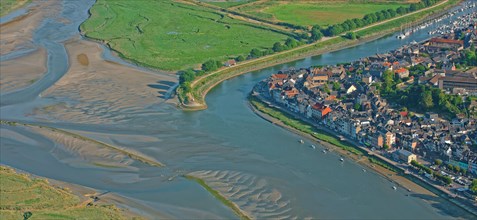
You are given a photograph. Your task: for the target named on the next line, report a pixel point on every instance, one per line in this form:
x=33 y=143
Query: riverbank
x=47 y=198
x=202 y=85
x=281 y=117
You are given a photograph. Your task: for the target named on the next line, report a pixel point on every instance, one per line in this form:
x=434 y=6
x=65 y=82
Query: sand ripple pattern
x=250 y=193
x=77 y=151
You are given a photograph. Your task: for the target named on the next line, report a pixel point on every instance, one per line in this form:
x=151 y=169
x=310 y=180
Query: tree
x=438 y=162
x=351 y=35
x=291 y=43
x=388 y=81
x=240 y=58
x=450 y=167
x=277 y=47
x=357 y=107
x=426 y=100
x=186 y=76
x=255 y=53
x=473 y=186
x=316 y=34
x=336 y=86
x=27 y=215
x=209 y=65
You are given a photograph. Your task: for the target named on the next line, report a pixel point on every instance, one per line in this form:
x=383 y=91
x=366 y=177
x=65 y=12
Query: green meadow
x=320 y=13
x=172 y=36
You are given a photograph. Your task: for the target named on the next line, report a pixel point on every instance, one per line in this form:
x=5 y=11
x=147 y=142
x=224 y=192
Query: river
x=264 y=167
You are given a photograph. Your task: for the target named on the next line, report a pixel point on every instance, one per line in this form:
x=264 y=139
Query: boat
x=324 y=151
x=394 y=187
x=302 y=142
x=401 y=36
x=341 y=159
x=313 y=146
x=364 y=170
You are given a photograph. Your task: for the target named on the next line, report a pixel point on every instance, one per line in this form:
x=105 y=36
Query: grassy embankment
x=20 y=194
x=131 y=155
x=172 y=36
x=8 y=6
x=321 y=13
x=202 y=85
x=219 y=197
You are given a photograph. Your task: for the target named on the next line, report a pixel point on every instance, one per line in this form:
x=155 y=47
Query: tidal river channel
x=266 y=171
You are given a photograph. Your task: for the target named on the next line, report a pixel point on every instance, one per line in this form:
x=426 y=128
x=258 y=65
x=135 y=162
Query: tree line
x=447 y=180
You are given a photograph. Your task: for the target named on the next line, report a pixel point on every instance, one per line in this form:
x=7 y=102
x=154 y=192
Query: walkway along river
x=260 y=167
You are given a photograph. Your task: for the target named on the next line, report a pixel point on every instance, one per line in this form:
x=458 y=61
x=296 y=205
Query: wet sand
x=18 y=33
x=23 y=71
x=98 y=91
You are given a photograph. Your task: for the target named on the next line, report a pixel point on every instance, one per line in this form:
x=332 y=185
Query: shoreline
x=406 y=181
x=87 y=196
x=314 y=49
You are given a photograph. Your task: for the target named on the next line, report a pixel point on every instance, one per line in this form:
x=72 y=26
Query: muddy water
x=260 y=167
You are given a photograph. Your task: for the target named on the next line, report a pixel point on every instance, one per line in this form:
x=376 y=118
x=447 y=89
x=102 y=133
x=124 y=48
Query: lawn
x=172 y=36
x=20 y=193
x=321 y=13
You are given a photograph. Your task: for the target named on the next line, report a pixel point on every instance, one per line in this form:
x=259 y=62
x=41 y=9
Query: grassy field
x=316 y=12
x=8 y=6
x=20 y=194
x=323 y=14
x=172 y=36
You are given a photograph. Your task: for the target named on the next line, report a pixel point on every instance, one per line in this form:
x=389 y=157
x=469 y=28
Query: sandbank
x=95 y=90
x=22 y=71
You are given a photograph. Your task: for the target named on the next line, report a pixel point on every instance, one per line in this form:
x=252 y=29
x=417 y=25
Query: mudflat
x=18 y=33
x=22 y=71
x=95 y=90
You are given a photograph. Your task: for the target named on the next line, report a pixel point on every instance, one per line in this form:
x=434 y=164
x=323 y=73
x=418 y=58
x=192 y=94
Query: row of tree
x=371 y=18
x=290 y=43
x=447 y=180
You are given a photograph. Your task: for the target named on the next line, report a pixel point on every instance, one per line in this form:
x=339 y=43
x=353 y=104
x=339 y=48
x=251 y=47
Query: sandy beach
x=98 y=91
x=23 y=71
